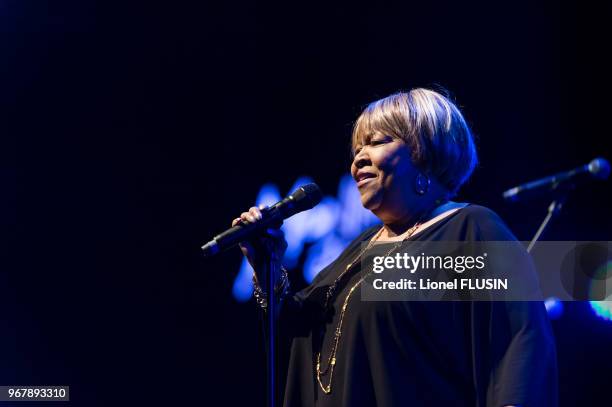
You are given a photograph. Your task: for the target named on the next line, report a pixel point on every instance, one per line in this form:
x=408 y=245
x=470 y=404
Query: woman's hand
x=267 y=248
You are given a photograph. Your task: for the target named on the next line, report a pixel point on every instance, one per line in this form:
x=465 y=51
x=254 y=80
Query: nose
x=361 y=159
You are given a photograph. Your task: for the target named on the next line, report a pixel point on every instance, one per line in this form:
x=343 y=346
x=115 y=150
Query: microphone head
x=307 y=196
x=599 y=168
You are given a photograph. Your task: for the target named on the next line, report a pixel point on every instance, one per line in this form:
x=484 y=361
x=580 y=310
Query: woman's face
x=383 y=170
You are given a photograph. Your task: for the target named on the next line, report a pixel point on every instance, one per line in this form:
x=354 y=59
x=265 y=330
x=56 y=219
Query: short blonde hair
x=431 y=125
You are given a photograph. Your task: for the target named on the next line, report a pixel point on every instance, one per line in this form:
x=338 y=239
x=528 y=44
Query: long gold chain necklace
x=331 y=362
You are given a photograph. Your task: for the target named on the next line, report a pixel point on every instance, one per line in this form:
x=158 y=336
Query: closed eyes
x=374 y=142
x=378 y=142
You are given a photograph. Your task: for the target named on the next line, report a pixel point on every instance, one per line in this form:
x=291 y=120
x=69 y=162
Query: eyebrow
x=366 y=138
x=370 y=135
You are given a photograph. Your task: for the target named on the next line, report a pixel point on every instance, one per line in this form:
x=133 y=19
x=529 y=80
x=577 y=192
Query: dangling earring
x=421 y=184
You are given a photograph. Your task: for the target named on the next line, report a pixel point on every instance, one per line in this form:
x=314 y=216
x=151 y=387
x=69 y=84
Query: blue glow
x=243 y=284
x=327 y=229
x=268 y=195
x=353 y=216
x=297 y=229
x=602 y=309
x=321 y=254
x=554 y=307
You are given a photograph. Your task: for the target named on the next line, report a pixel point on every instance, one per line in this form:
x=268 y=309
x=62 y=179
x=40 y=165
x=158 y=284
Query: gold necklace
x=331 y=362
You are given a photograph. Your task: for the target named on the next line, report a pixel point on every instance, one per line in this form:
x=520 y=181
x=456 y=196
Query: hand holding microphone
x=264 y=248
x=257 y=231
x=304 y=198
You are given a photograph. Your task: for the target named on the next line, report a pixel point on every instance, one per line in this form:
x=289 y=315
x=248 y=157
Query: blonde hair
x=433 y=128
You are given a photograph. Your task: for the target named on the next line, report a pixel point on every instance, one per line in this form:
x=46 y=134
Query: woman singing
x=412 y=153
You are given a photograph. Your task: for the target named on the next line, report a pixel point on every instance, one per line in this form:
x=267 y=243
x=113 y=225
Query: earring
x=421 y=184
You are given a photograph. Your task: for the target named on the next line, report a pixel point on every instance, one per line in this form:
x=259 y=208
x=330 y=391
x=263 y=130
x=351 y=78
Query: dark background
x=132 y=132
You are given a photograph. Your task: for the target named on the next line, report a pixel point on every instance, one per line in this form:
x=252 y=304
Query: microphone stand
x=554 y=209
x=270 y=269
x=271 y=320
x=270 y=330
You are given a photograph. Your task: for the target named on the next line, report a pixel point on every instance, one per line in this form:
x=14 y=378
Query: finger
x=247 y=217
x=262 y=206
x=255 y=212
x=236 y=221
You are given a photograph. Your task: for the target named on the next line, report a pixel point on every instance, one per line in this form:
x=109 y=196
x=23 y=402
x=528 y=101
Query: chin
x=370 y=202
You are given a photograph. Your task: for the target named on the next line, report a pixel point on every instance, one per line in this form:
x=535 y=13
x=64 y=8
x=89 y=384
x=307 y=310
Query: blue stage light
x=602 y=309
x=603 y=273
x=554 y=307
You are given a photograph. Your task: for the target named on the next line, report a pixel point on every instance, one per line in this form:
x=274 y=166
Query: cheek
x=394 y=162
x=403 y=166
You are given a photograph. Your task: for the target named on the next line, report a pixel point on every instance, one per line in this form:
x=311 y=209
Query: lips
x=363 y=177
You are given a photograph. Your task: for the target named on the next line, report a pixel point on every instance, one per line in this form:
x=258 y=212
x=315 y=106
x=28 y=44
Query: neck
x=397 y=226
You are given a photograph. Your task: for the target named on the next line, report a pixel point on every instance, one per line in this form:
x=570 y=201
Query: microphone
x=598 y=168
x=305 y=197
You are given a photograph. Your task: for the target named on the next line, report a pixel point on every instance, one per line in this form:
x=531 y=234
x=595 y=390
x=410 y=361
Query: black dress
x=420 y=353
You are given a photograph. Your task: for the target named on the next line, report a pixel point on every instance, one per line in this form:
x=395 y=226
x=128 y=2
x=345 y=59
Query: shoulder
x=483 y=223
x=479 y=212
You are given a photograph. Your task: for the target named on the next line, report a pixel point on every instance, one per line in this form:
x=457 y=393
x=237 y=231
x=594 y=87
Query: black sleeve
x=514 y=351
x=524 y=363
